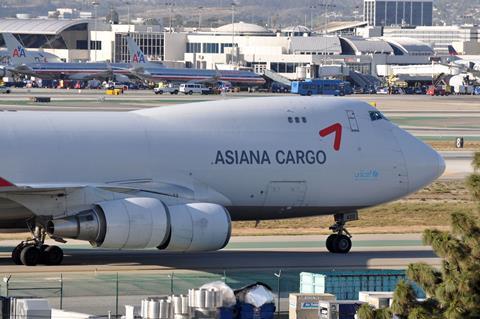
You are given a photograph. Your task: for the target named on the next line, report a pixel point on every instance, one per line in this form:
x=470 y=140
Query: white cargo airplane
x=174 y=177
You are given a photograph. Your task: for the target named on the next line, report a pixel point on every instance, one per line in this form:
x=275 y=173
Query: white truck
x=4 y=89
x=162 y=88
x=190 y=88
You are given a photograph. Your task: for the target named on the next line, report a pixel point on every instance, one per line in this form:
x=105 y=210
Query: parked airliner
x=175 y=177
x=28 y=63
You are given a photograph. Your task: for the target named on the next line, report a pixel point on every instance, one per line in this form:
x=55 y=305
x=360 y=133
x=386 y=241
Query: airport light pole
x=312 y=7
x=95 y=5
x=199 y=16
x=233 y=34
x=278 y=275
x=170 y=12
x=128 y=15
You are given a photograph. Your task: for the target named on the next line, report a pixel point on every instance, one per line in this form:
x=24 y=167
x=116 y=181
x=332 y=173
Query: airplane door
x=285 y=194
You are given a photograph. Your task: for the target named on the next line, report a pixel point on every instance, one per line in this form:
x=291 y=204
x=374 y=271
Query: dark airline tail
x=452 y=51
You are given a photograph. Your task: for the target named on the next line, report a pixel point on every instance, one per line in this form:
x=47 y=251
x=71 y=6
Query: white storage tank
x=31 y=308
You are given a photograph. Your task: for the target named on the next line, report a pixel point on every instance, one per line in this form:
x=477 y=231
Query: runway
x=458 y=164
x=246 y=253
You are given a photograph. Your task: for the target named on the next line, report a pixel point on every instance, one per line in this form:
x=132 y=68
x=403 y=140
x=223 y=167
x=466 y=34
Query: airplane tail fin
x=16 y=51
x=136 y=55
x=452 y=51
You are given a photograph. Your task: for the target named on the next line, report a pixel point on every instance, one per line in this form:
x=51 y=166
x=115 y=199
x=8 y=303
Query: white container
x=32 y=308
x=164 y=309
x=153 y=309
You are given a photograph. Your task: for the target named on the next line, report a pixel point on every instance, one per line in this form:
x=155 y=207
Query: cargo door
x=285 y=194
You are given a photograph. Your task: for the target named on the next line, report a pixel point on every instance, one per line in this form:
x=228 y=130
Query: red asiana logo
x=337 y=129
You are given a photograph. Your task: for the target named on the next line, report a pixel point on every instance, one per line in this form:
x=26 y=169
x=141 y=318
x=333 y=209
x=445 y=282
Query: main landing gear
x=340 y=241
x=33 y=251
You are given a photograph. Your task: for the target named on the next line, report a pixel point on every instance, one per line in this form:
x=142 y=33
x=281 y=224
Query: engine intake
x=146 y=223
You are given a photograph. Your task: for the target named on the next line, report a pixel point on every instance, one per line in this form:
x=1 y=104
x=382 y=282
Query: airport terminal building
x=295 y=52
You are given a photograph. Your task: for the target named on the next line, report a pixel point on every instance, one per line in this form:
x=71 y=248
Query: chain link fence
x=101 y=293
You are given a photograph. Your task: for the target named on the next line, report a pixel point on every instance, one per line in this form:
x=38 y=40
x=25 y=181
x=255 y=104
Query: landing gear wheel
x=329 y=242
x=53 y=255
x=342 y=244
x=339 y=242
x=30 y=255
x=16 y=254
x=43 y=256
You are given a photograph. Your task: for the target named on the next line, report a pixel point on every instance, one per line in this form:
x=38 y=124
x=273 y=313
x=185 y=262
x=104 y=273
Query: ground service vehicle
x=162 y=88
x=320 y=86
x=4 y=89
x=190 y=88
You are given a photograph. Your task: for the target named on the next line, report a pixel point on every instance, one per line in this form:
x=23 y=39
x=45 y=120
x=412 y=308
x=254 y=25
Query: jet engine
x=146 y=223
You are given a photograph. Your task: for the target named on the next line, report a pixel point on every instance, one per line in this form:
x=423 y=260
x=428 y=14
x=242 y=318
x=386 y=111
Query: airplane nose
x=424 y=164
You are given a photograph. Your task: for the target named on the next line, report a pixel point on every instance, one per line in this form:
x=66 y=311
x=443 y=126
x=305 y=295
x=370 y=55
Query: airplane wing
x=20 y=69
x=106 y=74
x=126 y=186
x=139 y=72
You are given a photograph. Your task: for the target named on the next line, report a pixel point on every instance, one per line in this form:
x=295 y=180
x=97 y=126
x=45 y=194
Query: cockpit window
x=376 y=115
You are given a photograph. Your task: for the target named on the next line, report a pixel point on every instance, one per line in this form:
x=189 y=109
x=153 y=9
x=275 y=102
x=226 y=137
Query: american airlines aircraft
x=175 y=177
x=155 y=72
x=16 y=54
x=24 y=62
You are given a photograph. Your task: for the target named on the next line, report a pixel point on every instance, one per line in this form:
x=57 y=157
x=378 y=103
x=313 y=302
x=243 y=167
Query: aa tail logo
x=138 y=57
x=19 y=52
x=337 y=129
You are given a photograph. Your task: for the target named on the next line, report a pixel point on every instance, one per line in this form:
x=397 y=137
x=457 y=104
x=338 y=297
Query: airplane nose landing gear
x=340 y=242
x=33 y=251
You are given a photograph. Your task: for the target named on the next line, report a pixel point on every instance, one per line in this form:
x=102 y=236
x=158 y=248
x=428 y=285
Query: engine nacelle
x=198 y=227
x=147 y=223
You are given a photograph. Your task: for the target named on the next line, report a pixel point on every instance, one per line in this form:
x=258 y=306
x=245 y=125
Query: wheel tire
x=43 y=256
x=309 y=93
x=329 y=243
x=190 y=92
x=342 y=244
x=16 y=254
x=53 y=255
x=30 y=255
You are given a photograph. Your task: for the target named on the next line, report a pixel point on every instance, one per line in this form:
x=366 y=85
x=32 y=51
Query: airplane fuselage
x=261 y=158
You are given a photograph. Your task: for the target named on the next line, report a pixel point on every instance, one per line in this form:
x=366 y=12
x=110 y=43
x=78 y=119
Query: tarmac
x=254 y=252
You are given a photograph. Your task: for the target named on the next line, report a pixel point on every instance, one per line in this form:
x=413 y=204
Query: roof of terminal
x=365 y=46
x=242 y=27
x=37 y=26
x=409 y=45
x=316 y=44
